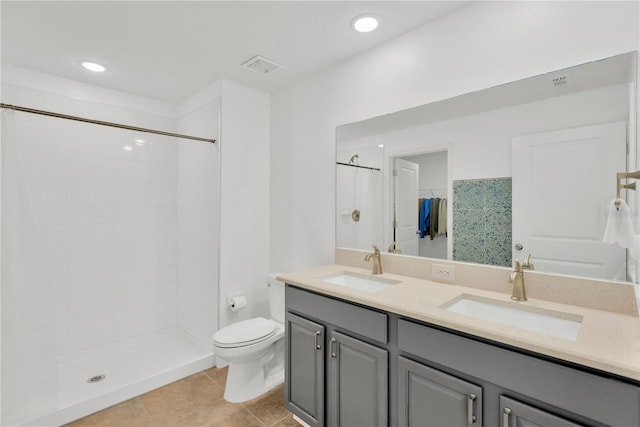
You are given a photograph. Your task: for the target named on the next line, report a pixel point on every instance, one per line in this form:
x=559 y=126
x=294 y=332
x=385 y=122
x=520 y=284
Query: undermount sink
x=548 y=322
x=363 y=282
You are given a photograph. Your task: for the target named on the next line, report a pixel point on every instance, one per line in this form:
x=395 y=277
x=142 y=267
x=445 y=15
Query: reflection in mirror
x=359 y=199
x=421 y=177
x=527 y=167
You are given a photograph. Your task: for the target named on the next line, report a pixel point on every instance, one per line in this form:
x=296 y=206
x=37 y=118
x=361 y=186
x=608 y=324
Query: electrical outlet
x=443 y=272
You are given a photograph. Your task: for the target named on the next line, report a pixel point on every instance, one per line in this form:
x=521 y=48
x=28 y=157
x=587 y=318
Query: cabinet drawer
x=516 y=414
x=365 y=322
x=597 y=398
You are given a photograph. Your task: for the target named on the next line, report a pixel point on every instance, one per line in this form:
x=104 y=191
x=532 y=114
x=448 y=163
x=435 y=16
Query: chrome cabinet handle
x=471 y=418
x=505 y=417
x=318 y=346
x=332 y=347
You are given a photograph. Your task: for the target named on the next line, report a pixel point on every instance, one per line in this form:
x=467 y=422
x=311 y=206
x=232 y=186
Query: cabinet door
x=358 y=383
x=517 y=414
x=430 y=398
x=304 y=369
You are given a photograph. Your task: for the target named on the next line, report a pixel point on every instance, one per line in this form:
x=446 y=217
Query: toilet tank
x=276 y=297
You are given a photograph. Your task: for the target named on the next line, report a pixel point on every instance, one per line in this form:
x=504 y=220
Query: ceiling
x=168 y=50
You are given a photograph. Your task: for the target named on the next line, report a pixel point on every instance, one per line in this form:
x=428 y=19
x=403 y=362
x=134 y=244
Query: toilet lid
x=244 y=333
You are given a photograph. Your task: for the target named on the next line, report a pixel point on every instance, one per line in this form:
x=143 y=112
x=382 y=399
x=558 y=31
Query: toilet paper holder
x=236 y=302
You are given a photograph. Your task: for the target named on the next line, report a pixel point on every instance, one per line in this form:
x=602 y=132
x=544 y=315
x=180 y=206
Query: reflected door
x=406 y=175
x=555 y=175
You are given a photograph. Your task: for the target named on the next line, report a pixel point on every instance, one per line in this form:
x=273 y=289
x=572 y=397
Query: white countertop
x=606 y=341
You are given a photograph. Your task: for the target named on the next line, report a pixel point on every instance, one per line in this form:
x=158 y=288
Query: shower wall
x=198 y=217
x=103 y=202
x=121 y=230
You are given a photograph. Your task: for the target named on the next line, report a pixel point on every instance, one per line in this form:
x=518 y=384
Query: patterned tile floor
x=194 y=401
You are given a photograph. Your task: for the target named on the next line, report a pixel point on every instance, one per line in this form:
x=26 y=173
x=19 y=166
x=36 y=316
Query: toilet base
x=248 y=380
x=253 y=369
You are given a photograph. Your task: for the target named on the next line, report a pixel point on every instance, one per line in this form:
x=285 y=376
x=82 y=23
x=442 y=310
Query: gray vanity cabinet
x=558 y=395
x=348 y=365
x=518 y=414
x=358 y=382
x=336 y=363
x=431 y=398
x=304 y=365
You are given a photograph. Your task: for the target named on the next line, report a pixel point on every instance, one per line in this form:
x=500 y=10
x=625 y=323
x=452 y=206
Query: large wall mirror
x=525 y=168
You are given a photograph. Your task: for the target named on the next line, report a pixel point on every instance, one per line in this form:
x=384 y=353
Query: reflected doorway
x=420 y=213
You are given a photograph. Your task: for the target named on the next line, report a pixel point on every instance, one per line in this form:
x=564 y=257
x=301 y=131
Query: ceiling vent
x=261 y=65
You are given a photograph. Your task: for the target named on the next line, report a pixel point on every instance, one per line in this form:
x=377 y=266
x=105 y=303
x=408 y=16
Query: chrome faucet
x=517 y=278
x=377 y=263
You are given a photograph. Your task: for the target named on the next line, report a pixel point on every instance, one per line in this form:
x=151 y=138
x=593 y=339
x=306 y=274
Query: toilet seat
x=245 y=333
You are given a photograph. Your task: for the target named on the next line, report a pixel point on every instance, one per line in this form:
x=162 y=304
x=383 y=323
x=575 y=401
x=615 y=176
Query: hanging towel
x=423 y=225
x=619 y=227
x=433 y=223
x=442 y=217
x=634 y=251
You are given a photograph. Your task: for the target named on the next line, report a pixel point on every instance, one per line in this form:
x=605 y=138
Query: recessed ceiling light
x=365 y=23
x=93 y=66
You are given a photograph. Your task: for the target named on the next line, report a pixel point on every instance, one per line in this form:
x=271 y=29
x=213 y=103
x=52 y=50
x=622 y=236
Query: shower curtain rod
x=357 y=166
x=103 y=123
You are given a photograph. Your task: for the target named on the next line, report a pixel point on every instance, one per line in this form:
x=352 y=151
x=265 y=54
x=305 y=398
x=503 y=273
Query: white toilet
x=254 y=349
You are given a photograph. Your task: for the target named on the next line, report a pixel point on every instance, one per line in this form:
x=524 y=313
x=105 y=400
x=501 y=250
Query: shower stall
x=109 y=255
x=359 y=195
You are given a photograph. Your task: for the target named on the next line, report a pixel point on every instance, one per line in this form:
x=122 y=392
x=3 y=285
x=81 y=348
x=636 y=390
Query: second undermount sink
x=548 y=322
x=363 y=282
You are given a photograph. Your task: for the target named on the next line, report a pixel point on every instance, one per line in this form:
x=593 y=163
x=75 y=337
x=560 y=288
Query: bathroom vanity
x=357 y=357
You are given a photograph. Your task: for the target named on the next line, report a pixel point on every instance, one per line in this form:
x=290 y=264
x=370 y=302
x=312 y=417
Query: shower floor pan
x=130 y=367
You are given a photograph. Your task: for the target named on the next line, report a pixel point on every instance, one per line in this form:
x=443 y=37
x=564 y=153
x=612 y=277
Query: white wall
x=238 y=214
x=198 y=216
x=482 y=45
x=244 y=200
x=45 y=91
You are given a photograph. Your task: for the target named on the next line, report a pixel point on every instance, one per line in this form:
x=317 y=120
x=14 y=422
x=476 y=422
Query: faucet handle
x=527 y=263
x=376 y=250
x=517 y=267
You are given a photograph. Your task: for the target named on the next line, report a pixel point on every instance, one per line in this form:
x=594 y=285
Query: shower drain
x=96 y=379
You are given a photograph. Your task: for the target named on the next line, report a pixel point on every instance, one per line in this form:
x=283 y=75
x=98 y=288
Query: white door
x=563 y=182
x=406 y=176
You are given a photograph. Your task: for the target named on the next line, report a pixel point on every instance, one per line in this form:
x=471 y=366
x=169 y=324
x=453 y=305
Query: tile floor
x=194 y=401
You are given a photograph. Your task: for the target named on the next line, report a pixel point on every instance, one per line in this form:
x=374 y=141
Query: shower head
x=352 y=160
